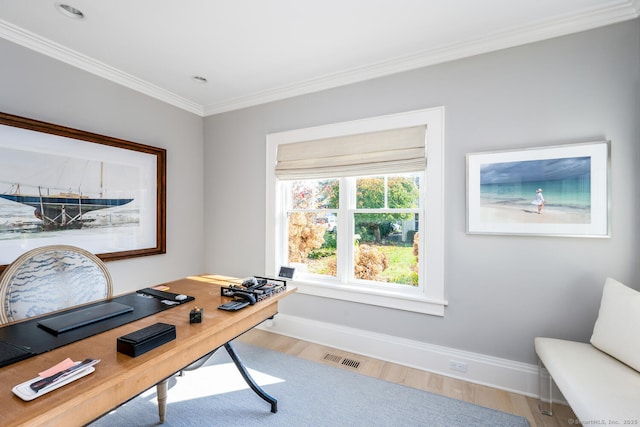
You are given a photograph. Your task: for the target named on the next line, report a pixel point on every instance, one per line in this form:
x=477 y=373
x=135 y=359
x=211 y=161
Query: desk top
x=118 y=377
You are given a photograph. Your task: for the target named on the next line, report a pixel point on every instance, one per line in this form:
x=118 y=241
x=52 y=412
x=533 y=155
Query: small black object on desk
x=234 y=305
x=195 y=315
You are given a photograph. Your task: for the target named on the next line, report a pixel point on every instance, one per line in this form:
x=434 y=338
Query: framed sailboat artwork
x=60 y=185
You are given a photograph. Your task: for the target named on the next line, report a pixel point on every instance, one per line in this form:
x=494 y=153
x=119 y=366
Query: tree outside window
x=381 y=222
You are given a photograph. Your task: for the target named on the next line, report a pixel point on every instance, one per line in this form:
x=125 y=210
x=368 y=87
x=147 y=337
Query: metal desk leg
x=245 y=374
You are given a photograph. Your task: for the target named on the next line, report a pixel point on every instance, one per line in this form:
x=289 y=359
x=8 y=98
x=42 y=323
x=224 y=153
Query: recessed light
x=69 y=11
x=199 y=79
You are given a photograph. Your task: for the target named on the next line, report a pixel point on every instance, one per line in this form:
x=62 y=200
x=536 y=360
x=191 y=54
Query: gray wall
x=39 y=87
x=502 y=290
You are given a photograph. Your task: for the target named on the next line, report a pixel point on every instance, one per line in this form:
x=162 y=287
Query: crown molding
x=613 y=13
x=493 y=42
x=47 y=47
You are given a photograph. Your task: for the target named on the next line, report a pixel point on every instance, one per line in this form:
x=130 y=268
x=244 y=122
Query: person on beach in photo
x=539 y=200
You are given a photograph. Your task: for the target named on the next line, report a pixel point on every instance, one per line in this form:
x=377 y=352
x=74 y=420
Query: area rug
x=309 y=395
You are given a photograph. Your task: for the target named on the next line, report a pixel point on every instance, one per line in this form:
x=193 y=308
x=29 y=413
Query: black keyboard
x=84 y=316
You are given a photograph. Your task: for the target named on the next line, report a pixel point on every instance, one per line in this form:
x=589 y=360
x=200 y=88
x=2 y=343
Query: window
x=358 y=211
x=379 y=230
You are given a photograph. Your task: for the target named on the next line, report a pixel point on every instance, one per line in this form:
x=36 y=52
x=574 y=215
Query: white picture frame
x=572 y=179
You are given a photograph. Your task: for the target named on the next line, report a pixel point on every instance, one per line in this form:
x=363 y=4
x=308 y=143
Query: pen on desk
x=44 y=382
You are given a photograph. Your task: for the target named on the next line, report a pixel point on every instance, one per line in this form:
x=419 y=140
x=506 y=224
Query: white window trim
x=430 y=298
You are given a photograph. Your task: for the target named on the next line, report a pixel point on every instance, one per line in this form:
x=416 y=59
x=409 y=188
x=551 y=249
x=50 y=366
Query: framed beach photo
x=66 y=186
x=548 y=191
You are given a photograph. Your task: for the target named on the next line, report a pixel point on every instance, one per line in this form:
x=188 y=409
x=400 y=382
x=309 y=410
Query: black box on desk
x=145 y=339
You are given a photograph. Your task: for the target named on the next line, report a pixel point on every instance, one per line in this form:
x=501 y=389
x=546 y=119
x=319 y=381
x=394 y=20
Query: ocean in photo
x=571 y=194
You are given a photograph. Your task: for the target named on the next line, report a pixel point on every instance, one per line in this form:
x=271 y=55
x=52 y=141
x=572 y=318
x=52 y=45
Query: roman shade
x=388 y=151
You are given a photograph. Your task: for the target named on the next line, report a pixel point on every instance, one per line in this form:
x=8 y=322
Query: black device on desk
x=165 y=296
x=240 y=300
x=85 y=316
x=244 y=296
x=233 y=305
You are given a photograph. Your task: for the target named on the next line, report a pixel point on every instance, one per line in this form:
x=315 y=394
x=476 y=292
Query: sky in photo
x=535 y=170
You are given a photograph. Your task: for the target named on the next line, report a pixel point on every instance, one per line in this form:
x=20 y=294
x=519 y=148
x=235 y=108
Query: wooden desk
x=118 y=378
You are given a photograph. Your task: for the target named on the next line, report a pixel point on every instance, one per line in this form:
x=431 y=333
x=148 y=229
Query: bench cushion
x=596 y=386
x=617 y=330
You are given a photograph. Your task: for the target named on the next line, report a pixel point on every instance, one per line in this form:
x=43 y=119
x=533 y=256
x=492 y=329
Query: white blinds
x=388 y=151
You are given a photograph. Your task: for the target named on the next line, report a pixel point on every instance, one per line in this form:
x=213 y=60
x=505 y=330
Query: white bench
x=600 y=380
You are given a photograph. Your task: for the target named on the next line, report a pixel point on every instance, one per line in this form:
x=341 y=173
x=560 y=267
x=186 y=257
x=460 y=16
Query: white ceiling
x=257 y=51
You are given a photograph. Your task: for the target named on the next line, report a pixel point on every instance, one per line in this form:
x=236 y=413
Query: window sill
x=417 y=303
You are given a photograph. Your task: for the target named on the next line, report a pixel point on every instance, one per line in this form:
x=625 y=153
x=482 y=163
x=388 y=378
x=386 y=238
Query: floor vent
x=351 y=363
x=332 y=358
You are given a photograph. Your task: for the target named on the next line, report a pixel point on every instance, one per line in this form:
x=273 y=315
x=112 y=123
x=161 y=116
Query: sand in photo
x=508 y=213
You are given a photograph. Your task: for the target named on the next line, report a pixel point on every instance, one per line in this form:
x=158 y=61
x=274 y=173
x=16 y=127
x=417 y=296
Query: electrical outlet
x=456 y=365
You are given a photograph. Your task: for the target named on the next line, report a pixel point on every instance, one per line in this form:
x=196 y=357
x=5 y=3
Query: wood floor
x=480 y=395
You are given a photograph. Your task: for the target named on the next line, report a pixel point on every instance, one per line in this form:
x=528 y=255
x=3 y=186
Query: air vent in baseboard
x=349 y=363
x=332 y=358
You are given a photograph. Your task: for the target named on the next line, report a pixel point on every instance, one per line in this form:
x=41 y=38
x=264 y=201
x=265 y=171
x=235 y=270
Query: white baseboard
x=491 y=371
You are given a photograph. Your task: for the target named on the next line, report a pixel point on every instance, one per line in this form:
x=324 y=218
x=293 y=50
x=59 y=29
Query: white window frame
x=428 y=299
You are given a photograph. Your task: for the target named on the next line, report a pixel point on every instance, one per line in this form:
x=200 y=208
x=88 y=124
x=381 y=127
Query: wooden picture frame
x=548 y=191
x=60 y=185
